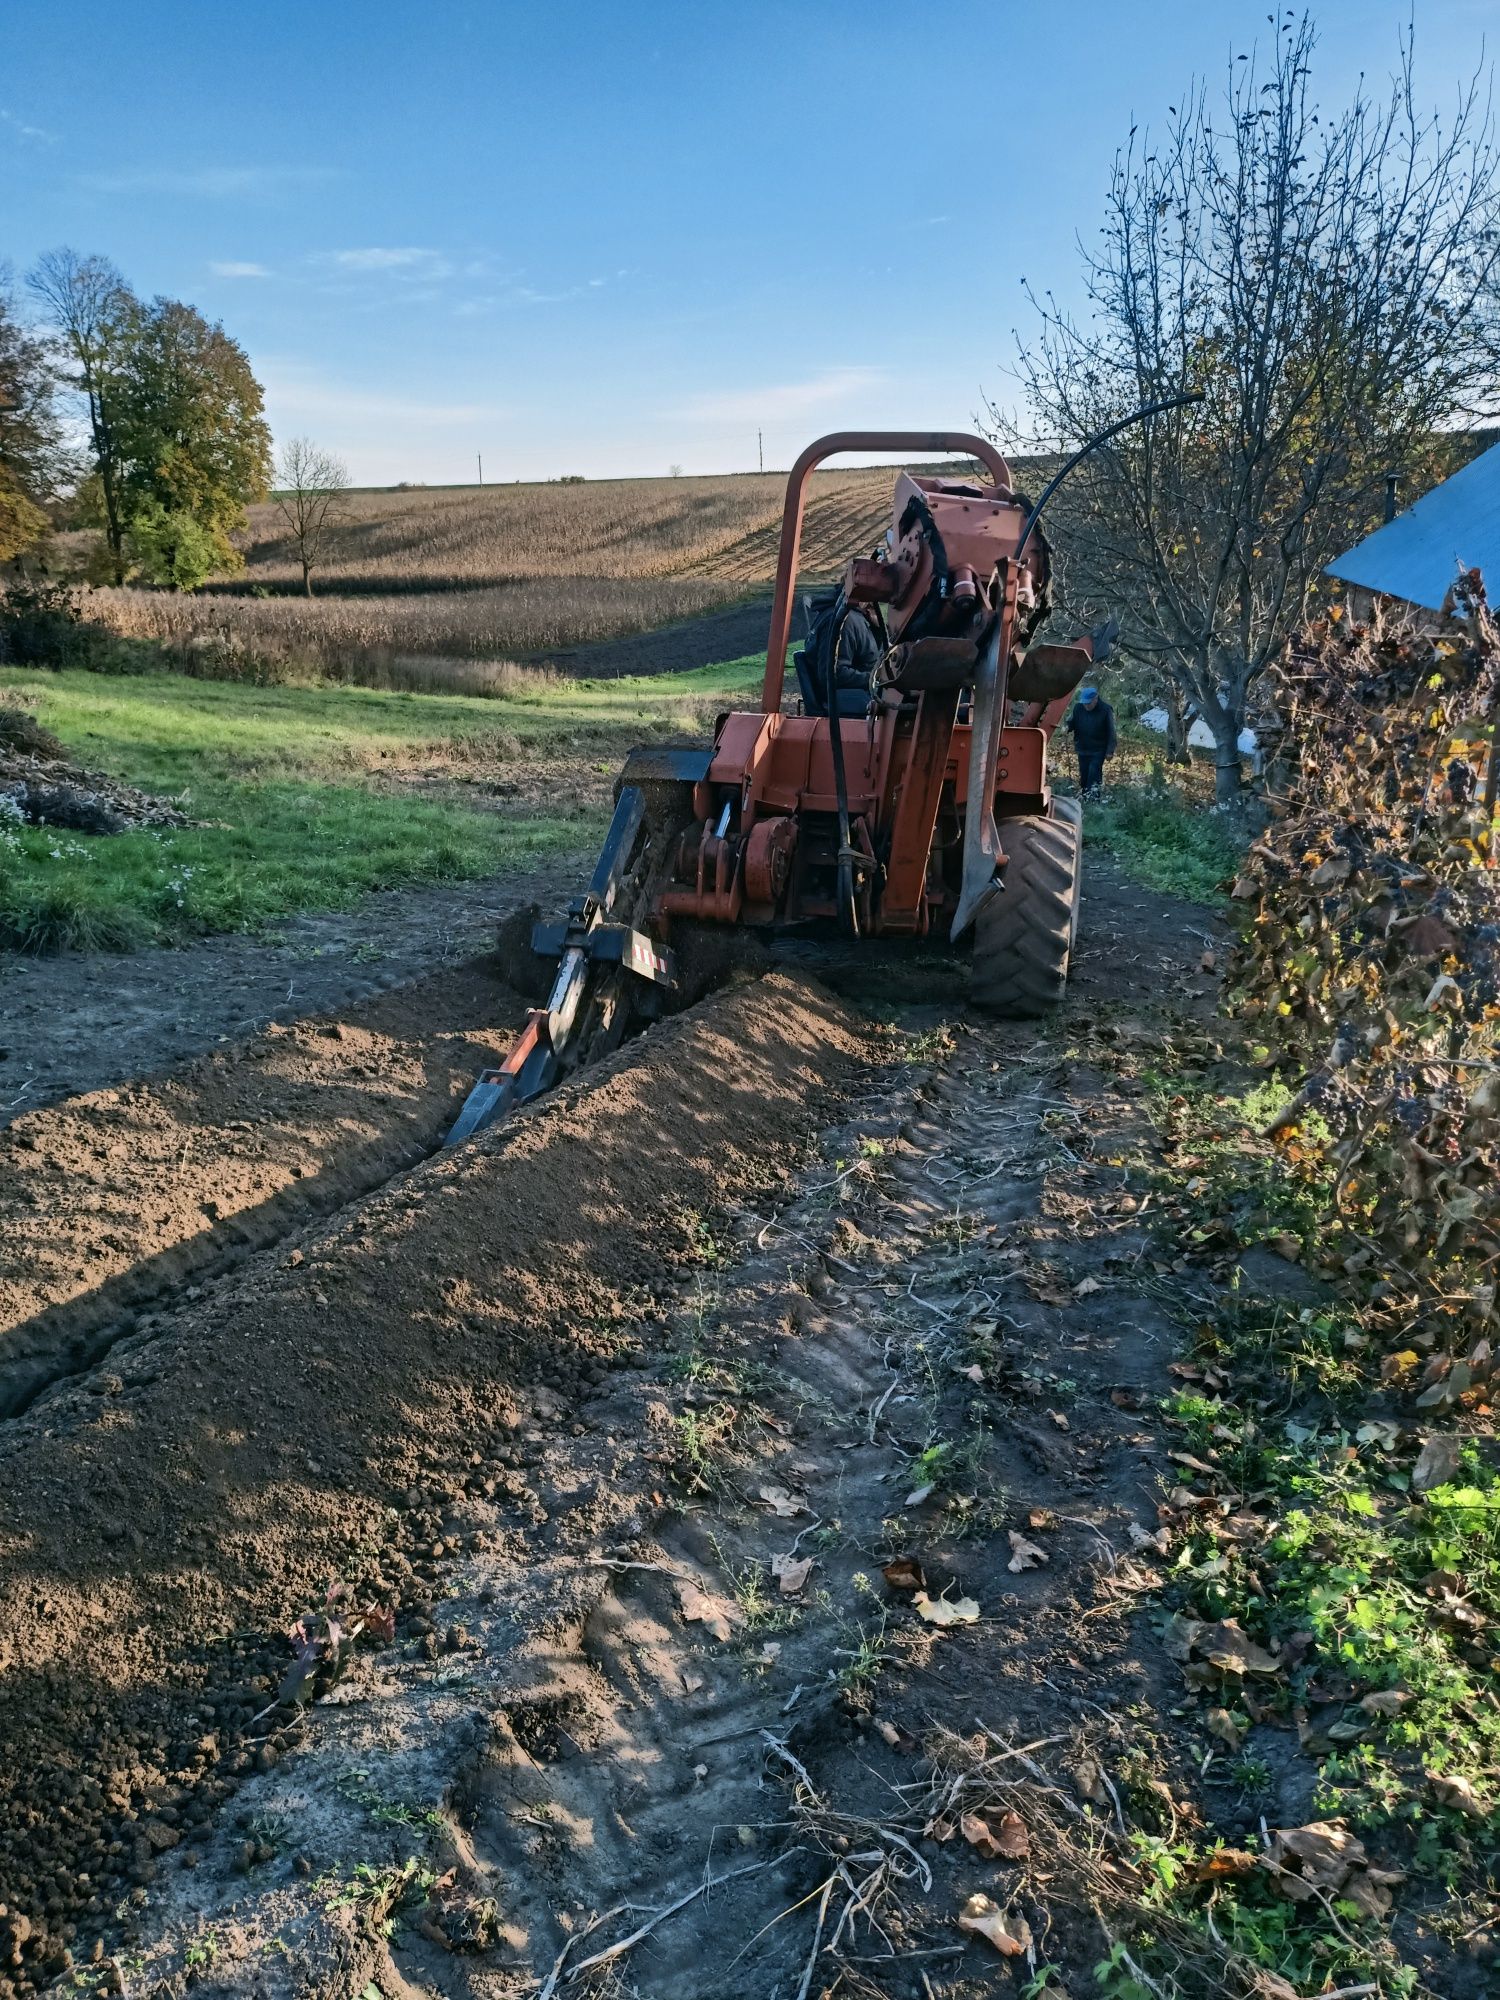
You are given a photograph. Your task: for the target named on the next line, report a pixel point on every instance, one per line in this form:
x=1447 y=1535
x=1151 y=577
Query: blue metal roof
x=1417 y=555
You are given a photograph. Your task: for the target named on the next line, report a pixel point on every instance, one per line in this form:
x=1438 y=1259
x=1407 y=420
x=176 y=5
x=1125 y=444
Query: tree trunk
x=1223 y=718
x=306 y=577
x=1178 y=726
x=1229 y=780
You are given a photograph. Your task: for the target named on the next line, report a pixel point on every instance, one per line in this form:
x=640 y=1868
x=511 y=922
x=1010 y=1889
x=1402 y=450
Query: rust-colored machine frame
x=913 y=764
x=889 y=820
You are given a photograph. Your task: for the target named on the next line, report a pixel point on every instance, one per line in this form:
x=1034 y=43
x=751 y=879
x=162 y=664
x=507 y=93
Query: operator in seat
x=860 y=652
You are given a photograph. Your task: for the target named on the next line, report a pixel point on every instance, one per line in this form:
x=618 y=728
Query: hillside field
x=478 y=574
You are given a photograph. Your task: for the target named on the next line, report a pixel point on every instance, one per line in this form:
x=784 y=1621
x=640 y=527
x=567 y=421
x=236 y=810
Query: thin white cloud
x=783 y=401
x=36 y=134
x=231 y=267
x=210 y=183
x=421 y=263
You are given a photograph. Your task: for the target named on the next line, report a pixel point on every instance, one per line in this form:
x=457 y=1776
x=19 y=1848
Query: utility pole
x=480 y=456
x=760 y=448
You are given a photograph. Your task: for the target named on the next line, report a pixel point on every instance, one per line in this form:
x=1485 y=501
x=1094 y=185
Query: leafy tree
x=30 y=443
x=93 y=312
x=172 y=546
x=193 y=443
x=310 y=500
x=1329 y=284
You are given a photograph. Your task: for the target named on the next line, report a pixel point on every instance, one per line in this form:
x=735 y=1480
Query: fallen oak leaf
x=946 y=1610
x=698 y=1608
x=979 y=1917
x=1457 y=1793
x=1232 y=1651
x=920 y=1493
x=1437 y=1462
x=786 y=1506
x=1141 y=1538
x=1385 y=1701
x=976 y=1831
x=1023 y=1554
x=1012 y=1838
x=1220 y=1723
x=904 y=1573
x=791 y=1572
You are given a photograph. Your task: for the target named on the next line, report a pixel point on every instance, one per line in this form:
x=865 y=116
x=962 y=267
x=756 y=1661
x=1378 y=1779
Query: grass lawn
x=312 y=796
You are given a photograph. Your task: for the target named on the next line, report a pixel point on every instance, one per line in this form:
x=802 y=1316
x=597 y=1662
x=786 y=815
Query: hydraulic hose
x=847 y=907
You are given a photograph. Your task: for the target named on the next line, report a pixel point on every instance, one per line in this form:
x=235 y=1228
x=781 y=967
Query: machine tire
x=1072 y=811
x=1024 y=940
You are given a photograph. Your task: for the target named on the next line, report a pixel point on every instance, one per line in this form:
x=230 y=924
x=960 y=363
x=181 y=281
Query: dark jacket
x=1093 y=728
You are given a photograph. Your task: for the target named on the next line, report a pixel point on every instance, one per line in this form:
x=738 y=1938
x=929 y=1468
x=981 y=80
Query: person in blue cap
x=1093 y=725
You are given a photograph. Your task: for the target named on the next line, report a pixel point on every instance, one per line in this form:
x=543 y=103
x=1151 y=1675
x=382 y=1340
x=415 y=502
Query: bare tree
x=1330 y=287
x=311 y=485
x=93 y=312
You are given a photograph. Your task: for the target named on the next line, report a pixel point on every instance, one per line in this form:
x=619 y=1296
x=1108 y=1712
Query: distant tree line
x=138 y=418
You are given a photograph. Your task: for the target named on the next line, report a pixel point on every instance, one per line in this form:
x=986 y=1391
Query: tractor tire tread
x=1024 y=940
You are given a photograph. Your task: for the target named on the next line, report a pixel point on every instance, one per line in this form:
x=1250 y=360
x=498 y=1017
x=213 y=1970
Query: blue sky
x=607 y=239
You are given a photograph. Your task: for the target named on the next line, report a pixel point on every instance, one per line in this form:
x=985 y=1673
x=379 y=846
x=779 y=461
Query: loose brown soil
x=772 y=1287
x=166 y=1518
x=110 y=1200
x=79 y=1022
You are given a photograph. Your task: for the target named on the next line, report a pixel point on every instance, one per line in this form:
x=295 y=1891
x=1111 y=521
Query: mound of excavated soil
x=164 y=1521
x=107 y=1200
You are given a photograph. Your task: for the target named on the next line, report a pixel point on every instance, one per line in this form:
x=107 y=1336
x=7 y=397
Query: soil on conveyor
x=169 y=1514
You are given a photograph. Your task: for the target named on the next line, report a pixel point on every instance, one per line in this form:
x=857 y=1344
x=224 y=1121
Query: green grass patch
x=306 y=795
x=1377 y=1602
x=1166 y=839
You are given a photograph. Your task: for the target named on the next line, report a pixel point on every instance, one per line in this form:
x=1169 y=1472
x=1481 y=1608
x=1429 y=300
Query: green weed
x=1165 y=840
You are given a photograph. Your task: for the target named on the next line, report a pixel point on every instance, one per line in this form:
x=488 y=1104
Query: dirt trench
x=611 y=1751
x=112 y=1201
x=169 y=1514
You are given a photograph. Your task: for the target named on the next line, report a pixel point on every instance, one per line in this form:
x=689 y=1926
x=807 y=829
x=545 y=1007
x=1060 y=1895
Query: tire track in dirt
x=110 y=1200
x=559 y=1739
x=166 y=1520
x=598 y=1740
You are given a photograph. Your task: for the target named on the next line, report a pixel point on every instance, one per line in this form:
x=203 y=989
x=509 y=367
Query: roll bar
x=923 y=444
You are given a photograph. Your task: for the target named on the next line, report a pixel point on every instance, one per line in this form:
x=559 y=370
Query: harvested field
x=453 y=576
x=504 y=621
x=426 y=539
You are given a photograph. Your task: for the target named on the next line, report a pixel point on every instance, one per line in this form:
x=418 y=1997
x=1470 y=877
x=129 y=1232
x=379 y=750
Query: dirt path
x=165 y=1518
x=80 y=1021
x=112 y=1202
x=621 y=1413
